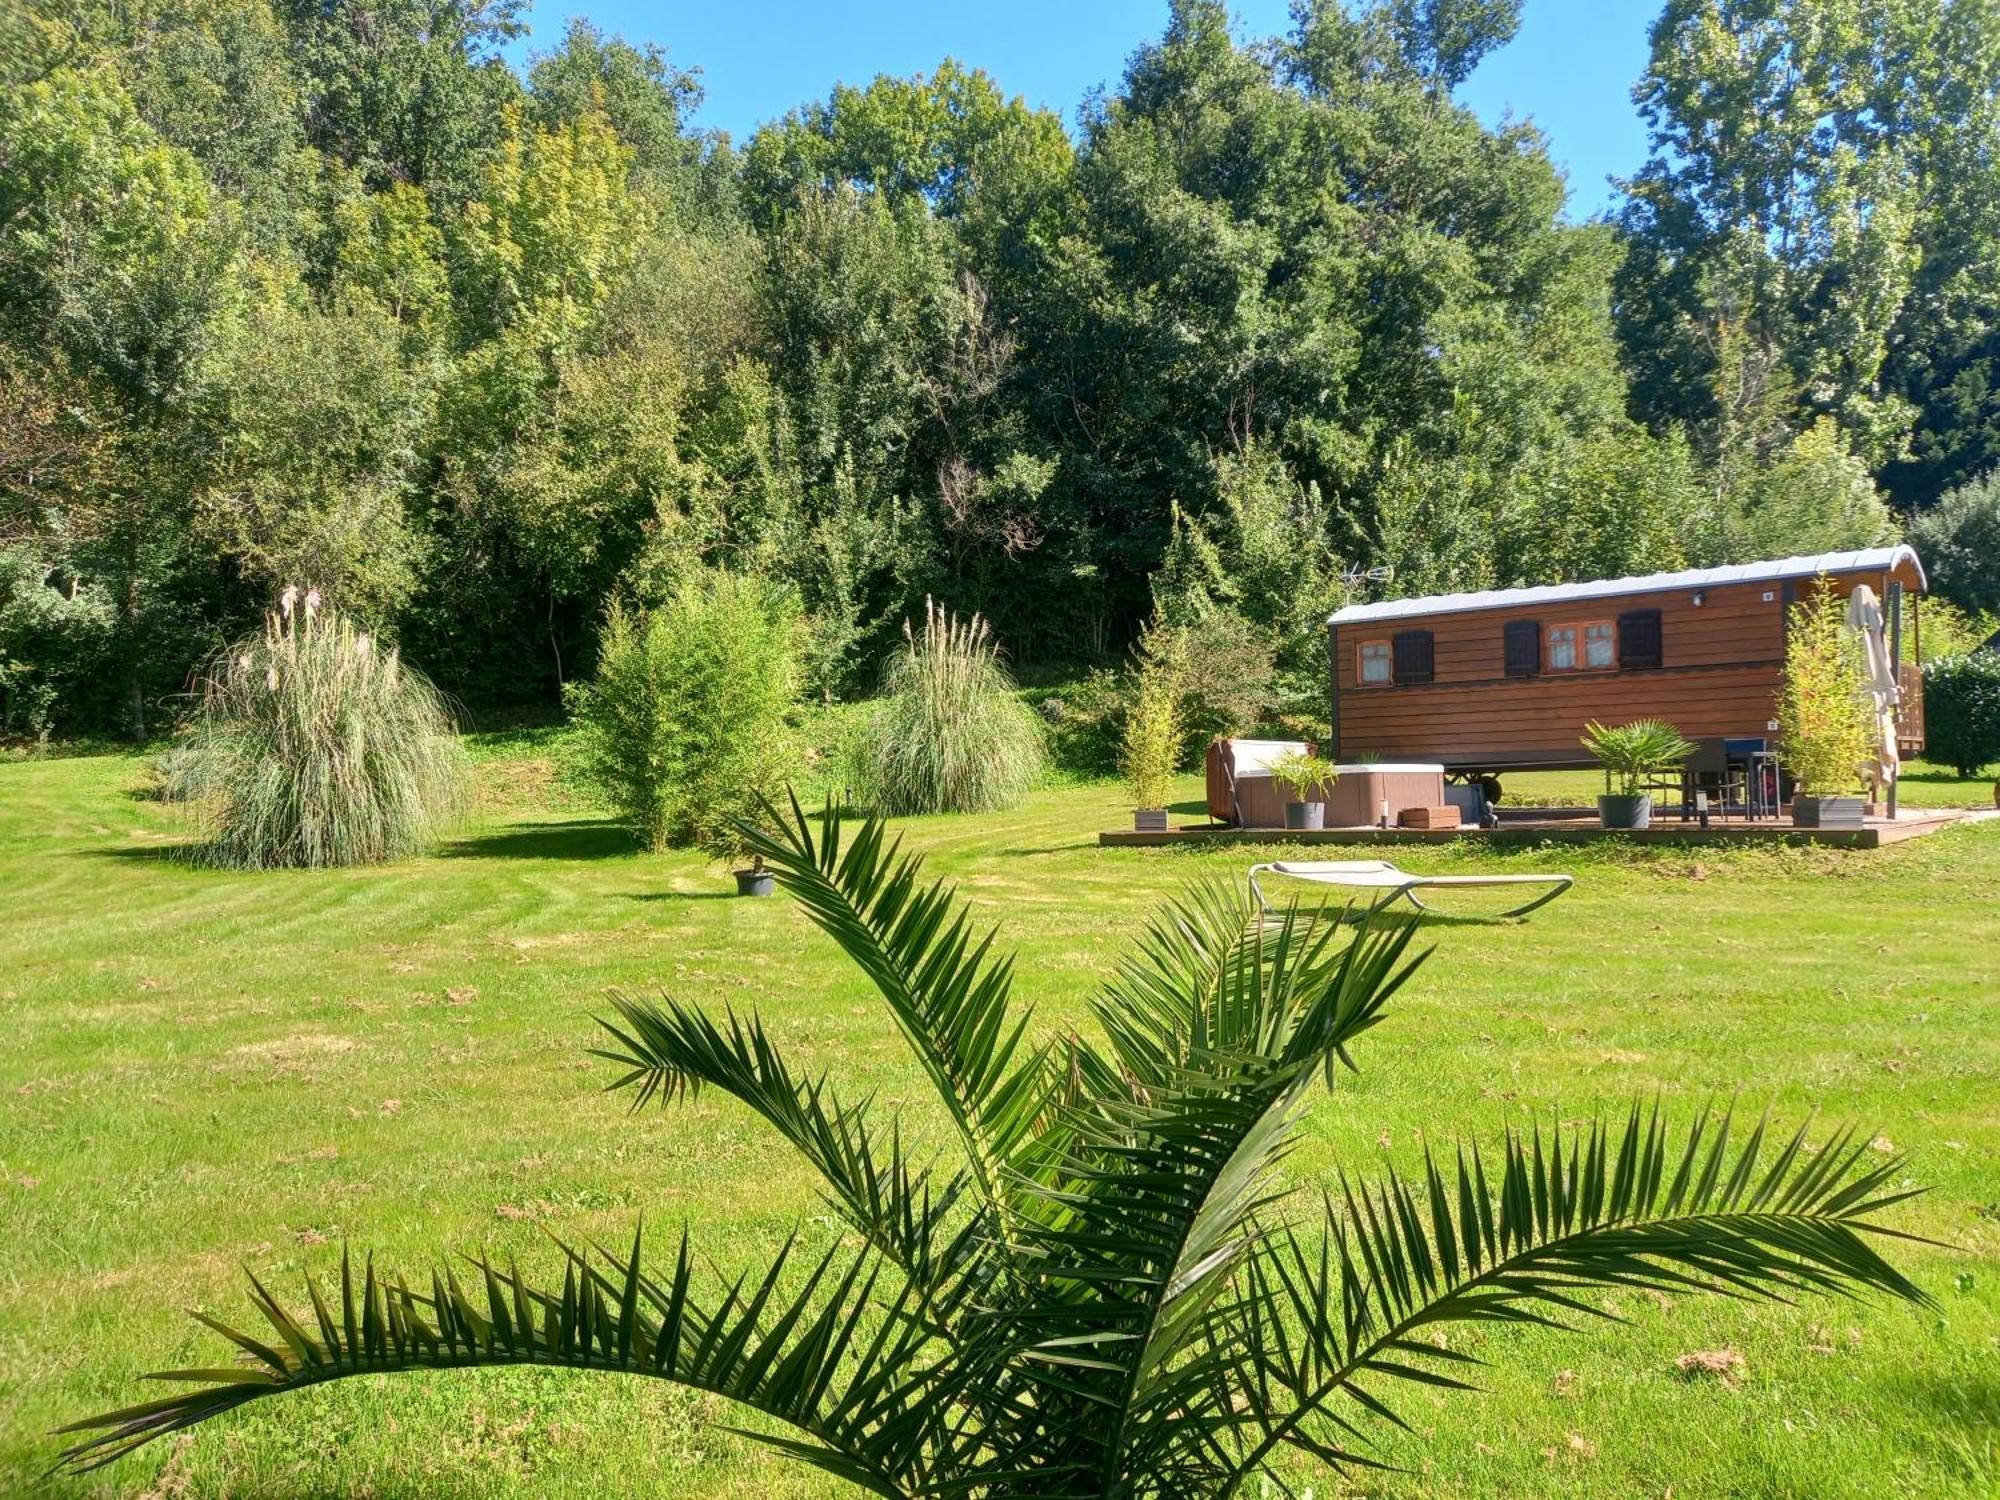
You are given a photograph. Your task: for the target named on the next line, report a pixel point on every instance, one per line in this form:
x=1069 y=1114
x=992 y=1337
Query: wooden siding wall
x=1721 y=665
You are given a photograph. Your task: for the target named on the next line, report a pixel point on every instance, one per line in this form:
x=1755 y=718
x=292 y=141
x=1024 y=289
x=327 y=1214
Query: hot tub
x=1358 y=799
x=1240 y=786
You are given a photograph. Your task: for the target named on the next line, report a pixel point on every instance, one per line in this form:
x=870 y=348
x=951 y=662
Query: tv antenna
x=1353 y=578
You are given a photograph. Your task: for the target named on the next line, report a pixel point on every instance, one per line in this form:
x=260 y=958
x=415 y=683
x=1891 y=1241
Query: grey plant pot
x=753 y=882
x=1149 y=820
x=1826 y=812
x=1626 y=812
x=1305 y=816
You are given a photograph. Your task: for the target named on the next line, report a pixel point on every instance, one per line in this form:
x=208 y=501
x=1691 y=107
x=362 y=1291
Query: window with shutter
x=1523 y=642
x=1639 y=643
x=1414 y=656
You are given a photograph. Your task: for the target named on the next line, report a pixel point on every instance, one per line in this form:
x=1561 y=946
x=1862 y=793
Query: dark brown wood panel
x=1721 y=665
x=1733 y=624
x=1543 y=717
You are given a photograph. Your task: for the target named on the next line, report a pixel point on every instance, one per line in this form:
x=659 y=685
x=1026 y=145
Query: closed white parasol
x=1864 y=618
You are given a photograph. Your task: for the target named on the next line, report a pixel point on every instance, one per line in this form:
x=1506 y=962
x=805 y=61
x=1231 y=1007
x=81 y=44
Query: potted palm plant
x=1631 y=753
x=1306 y=778
x=1824 y=714
x=755 y=881
x=1151 y=750
x=728 y=844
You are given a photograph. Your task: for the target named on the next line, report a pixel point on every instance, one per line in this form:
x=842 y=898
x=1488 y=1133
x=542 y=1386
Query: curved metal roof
x=1867 y=560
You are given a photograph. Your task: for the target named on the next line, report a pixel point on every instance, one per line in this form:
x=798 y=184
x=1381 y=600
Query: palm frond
x=1561 y=1218
x=946 y=988
x=670 y=1049
x=814 y=1349
x=1143 y=1232
x=1163 y=992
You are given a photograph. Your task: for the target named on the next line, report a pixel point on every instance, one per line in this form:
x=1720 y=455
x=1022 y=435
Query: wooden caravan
x=1506 y=679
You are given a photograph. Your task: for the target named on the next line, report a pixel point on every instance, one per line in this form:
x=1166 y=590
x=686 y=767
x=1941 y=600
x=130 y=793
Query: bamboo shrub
x=1150 y=750
x=1824 y=719
x=688 y=722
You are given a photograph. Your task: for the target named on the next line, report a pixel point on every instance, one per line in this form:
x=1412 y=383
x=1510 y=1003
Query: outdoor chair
x=1381 y=876
x=1710 y=770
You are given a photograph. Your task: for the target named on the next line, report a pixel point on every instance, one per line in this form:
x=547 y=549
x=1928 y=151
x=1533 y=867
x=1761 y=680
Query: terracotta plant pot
x=1149 y=820
x=1626 y=812
x=1305 y=816
x=753 y=882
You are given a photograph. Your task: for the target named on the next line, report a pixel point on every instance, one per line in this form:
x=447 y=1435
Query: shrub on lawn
x=1107 y=1279
x=1227 y=686
x=949 y=733
x=316 y=745
x=1962 y=712
x=1084 y=722
x=687 y=723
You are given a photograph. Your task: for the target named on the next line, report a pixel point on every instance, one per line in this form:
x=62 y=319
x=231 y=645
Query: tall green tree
x=215 y=78
x=119 y=260
x=1802 y=243
x=317 y=423
x=553 y=231
x=1944 y=356
x=406 y=90
x=932 y=135
x=1959 y=538
x=645 y=98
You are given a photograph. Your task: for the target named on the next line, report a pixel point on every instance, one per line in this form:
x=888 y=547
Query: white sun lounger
x=1380 y=875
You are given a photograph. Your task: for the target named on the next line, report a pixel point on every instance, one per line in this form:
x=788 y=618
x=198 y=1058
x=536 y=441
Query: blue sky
x=1571 y=69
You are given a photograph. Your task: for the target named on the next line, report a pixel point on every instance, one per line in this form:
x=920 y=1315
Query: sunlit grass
x=207 y=1068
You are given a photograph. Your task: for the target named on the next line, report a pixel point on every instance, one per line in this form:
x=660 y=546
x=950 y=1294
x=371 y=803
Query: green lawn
x=207 y=1070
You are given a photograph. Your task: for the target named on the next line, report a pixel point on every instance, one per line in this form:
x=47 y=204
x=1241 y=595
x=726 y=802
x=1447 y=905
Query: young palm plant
x=1104 y=1288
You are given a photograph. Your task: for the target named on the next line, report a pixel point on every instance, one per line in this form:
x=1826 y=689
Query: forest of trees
x=326 y=292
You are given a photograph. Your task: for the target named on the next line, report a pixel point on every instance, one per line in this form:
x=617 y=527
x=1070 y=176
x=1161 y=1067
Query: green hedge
x=1962 y=712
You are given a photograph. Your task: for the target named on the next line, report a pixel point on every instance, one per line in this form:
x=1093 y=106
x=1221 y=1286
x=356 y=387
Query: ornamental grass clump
x=948 y=734
x=1111 y=1273
x=316 y=745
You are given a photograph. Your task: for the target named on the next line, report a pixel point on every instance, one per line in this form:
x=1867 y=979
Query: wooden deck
x=1559 y=825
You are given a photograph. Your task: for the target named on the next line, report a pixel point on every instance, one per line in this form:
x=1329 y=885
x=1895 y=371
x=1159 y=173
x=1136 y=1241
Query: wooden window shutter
x=1523 y=640
x=1639 y=639
x=1414 y=658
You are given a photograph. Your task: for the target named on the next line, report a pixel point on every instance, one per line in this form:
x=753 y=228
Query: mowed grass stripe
x=175 y=1099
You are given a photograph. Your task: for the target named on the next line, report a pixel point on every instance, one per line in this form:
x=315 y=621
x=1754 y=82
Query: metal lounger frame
x=1408 y=886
